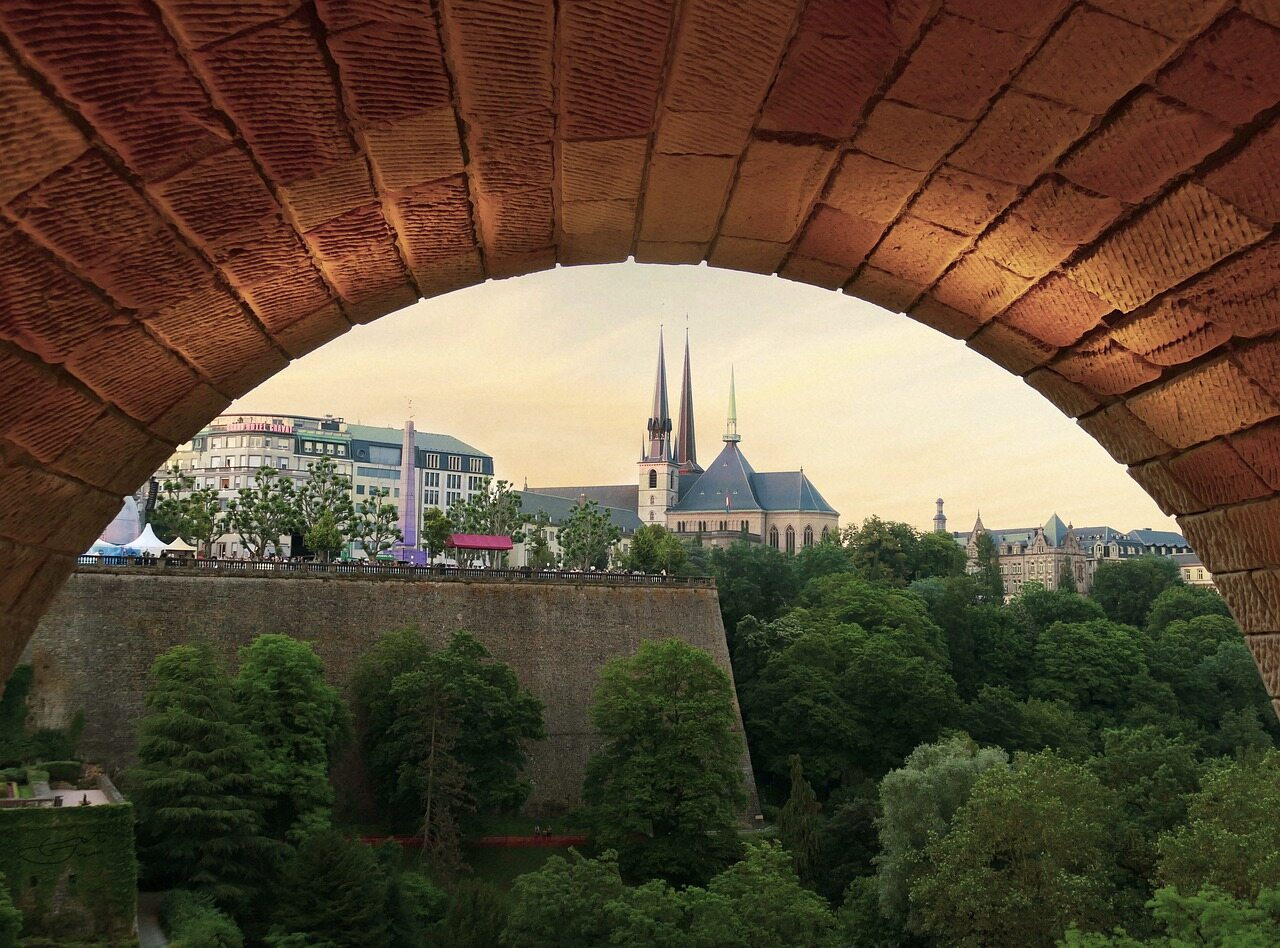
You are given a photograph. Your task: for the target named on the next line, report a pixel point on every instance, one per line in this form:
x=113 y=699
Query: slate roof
x=731 y=474
x=623 y=496
x=1085 y=536
x=425 y=440
x=557 y=509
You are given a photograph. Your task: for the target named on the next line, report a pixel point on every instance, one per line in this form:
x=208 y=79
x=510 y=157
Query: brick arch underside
x=194 y=192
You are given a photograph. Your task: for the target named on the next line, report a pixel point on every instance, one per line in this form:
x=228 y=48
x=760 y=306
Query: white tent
x=126 y=524
x=147 y=542
x=179 y=545
x=102 y=548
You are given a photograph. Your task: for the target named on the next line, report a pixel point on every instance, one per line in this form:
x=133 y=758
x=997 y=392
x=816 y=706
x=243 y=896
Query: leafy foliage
x=799 y=822
x=184 y=510
x=194 y=921
x=375 y=523
x=665 y=791
x=494 y=510
x=324 y=510
x=264 y=512
x=654 y=549
x=334 y=890
x=436 y=530
x=1127 y=589
x=587 y=536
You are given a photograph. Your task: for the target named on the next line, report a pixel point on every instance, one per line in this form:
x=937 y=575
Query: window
x=653 y=478
x=384 y=454
x=328 y=449
x=451 y=498
x=808 y=535
x=724 y=525
x=341 y=450
x=453 y=481
x=431 y=480
x=237 y=482
x=475 y=483
x=433 y=460
x=360 y=489
x=431 y=497
x=826 y=532
x=397 y=492
x=773 y=537
x=477 y=465
x=308 y=447
x=455 y=462
x=651 y=500
x=650 y=514
x=791 y=540
x=244 y=462
x=379 y=472
x=255 y=461
x=226 y=483
x=702 y=526
x=284 y=464
x=743 y=526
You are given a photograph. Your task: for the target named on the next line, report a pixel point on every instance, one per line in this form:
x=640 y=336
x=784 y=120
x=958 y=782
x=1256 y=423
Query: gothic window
x=743 y=526
x=791 y=539
x=724 y=525
x=808 y=535
x=773 y=537
x=650 y=514
x=826 y=532
x=653 y=478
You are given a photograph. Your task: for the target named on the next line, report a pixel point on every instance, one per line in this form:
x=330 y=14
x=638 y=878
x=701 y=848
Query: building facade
x=226 y=454
x=726 y=501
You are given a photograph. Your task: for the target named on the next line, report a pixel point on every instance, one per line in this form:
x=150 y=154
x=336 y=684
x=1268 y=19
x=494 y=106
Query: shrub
x=192 y=921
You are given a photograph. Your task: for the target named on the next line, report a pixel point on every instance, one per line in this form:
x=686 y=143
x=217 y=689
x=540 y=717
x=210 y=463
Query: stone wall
x=93 y=649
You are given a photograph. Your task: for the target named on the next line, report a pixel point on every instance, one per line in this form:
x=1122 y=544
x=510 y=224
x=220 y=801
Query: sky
x=552 y=374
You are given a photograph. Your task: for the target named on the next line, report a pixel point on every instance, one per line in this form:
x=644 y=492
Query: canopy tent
x=103 y=548
x=147 y=542
x=179 y=545
x=479 y=541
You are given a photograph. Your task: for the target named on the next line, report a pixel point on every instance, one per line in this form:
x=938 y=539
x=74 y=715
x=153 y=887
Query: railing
x=192 y=565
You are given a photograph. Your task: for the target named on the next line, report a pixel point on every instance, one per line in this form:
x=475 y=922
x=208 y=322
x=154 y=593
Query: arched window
x=650 y=514
x=743 y=526
x=791 y=540
x=724 y=525
x=808 y=535
x=826 y=532
x=653 y=478
x=773 y=537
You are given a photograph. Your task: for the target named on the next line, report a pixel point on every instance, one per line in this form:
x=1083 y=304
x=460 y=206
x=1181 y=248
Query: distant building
x=556 y=510
x=230 y=449
x=1044 y=554
x=728 y=500
x=1193 y=571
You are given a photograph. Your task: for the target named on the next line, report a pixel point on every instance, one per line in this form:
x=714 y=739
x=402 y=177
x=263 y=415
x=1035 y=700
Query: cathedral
x=726 y=501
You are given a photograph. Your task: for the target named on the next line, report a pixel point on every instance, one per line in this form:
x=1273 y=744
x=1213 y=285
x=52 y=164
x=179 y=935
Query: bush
x=37 y=775
x=68 y=770
x=192 y=921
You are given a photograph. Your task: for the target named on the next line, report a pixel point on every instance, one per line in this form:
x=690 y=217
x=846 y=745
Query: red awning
x=478 y=541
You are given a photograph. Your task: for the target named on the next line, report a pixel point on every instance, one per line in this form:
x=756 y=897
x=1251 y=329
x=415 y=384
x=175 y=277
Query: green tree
x=299 y=721
x=998 y=716
x=1210 y=918
x=196 y=787
x=988 y=569
x=324 y=508
x=753 y=579
x=1027 y=854
x=263 y=513
x=537 y=542
x=1040 y=608
x=10 y=918
x=654 y=549
x=1231 y=838
x=822 y=559
x=862 y=922
x=937 y=554
x=1067 y=577
x=184 y=510
x=800 y=823
x=333 y=891
x=918 y=803
x=666 y=791
x=565 y=903
x=476 y=917
x=587 y=536
x=882 y=550
x=1126 y=589
x=494 y=510
x=375 y=524
x=771 y=904
x=1181 y=603
x=848 y=844
x=1093 y=666
x=437 y=528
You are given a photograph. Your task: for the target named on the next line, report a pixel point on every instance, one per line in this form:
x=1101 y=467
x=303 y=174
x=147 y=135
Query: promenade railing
x=186 y=565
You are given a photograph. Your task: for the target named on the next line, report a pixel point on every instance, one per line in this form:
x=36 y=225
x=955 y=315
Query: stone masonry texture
x=192 y=194
x=94 y=648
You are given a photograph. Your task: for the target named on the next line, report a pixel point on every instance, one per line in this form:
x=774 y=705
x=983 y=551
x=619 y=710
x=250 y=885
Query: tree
x=918 y=803
x=263 y=513
x=334 y=891
x=1028 y=853
x=10 y=918
x=755 y=580
x=1039 y=608
x=196 y=787
x=654 y=548
x=1231 y=838
x=1180 y=603
x=771 y=904
x=1126 y=589
x=665 y=790
x=1210 y=918
x=375 y=524
x=437 y=528
x=565 y=903
x=537 y=542
x=324 y=508
x=800 y=823
x=494 y=510
x=882 y=551
x=476 y=917
x=184 y=510
x=587 y=535
x=987 y=561
x=1067 y=576
x=299 y=720
x=937 y=554
x=1093 y=666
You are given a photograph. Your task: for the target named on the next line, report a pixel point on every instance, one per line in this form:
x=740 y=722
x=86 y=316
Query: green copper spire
x=731 y=428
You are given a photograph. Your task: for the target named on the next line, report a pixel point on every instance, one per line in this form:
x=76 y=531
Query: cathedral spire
x=731 y=426
x=686 y=446
x=659 y=426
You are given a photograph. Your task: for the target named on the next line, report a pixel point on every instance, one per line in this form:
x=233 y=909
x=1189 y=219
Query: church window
x=702 y=526
x=791 y=540
x=743 y=526
x=653 y=478
x=826 y=532
x=724 y=525
x=650 y=514
x=808 y=535
x=773 y=537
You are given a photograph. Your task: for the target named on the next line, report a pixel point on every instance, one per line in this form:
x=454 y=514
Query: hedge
x=193 y=921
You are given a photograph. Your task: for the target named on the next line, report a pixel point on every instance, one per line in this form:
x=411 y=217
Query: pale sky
x=552 y=374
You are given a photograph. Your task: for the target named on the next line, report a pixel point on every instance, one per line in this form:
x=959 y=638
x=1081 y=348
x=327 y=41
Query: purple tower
x=407 y=550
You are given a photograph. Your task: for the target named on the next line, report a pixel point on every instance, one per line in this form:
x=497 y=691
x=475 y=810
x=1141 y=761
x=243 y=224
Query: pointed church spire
x=659 y=426
x=731 y=426
x=686 y=446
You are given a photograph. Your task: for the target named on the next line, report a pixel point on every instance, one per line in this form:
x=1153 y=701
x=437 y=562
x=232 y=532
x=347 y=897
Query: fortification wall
x=94 y=648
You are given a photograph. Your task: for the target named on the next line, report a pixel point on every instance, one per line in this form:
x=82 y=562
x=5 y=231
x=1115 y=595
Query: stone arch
x=1083 y=193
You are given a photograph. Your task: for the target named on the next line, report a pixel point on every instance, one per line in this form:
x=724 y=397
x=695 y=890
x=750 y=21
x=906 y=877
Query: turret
x=939 y=519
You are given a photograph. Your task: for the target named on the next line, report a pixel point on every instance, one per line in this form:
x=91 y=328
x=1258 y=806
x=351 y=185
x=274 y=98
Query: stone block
x=1209 y=400
x=776 y=185
x=838 y=238
x=1068 y=397
x=961 y=201
x=1217 y=475
x=917 y=250
x=869 y=188
x=1021 y=137
x=903 y=135
x=1260 y=448
x=979 y=285
x=1057 y=311
x=1009 y=348
x=1231 y=71
x=1102 y=365
x=1124 y=435
x=1249 y=179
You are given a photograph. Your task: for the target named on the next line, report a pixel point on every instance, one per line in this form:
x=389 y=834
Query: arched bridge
x=195 y=192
